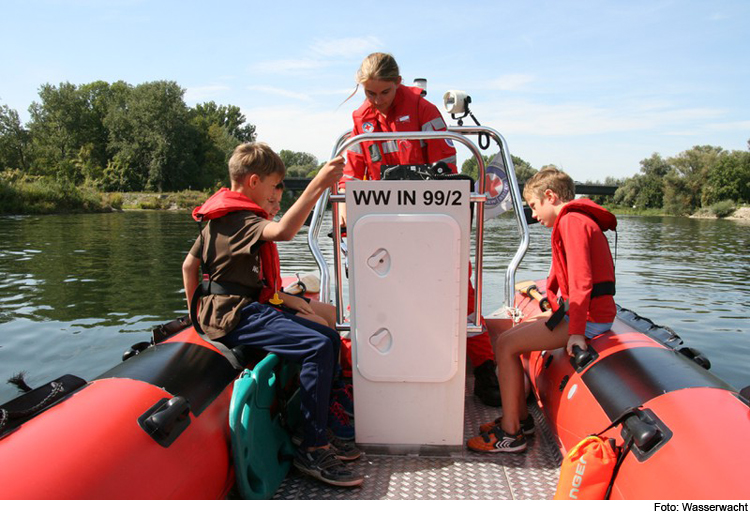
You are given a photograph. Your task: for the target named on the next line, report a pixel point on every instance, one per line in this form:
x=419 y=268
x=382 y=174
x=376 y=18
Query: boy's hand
x=331 y=172
x=575 y=340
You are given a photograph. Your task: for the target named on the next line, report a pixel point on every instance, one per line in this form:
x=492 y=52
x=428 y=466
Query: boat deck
x=460 y=474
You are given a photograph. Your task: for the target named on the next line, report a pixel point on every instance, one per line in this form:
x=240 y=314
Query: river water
x=77 y=290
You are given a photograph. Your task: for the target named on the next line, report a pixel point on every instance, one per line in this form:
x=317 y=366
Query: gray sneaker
x=346 y=451
x=323 y=465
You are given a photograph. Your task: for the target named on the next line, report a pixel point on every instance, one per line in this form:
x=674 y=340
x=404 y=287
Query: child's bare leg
x=326 y=311
x=495 y=327
x=509 y=346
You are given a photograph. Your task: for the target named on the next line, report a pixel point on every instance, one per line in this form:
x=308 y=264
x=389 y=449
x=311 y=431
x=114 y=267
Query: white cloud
x=321 y=54
x=272 y=90
x=299 y=128
x=197 y=94
x=701 y=129
x=511 y=82
x=731 y=126
x=289 y=66
x=524 y=116
x=346 y=47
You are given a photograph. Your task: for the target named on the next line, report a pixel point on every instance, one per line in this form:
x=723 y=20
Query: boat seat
x=264 y=408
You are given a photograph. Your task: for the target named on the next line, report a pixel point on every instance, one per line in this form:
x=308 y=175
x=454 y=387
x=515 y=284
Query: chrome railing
x=455 y=134
x=515 y=193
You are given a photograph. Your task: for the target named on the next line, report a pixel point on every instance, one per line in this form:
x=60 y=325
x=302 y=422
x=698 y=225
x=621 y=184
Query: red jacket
x=580 y=259
x=410 y=112
x=226 y=201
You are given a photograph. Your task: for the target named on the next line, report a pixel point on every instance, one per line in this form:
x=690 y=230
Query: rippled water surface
x=77 y=290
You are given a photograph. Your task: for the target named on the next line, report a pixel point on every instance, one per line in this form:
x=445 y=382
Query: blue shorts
x=593 y=329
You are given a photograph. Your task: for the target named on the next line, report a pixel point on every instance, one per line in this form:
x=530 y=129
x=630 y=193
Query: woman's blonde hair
x=377 y=66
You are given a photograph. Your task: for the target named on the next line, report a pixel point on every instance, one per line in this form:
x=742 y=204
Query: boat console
x=407 y=272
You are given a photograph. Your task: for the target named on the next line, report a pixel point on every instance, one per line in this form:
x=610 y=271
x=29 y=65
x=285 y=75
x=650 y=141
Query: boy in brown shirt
x=233 y=308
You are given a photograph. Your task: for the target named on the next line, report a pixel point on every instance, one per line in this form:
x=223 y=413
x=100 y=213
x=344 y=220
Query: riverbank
x=740 y=213
x=182 y=200
x=39 y=197
x=42 y=196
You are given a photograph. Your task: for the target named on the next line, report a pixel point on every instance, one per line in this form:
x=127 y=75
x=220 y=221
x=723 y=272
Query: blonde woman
x=390 y=106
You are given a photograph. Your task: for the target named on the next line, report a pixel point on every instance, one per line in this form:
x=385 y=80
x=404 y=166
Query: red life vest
x=580 y=245
x=226 y=201
x=410 y=112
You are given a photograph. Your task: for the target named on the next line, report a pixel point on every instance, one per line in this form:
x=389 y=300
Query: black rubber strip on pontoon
x=632 y=377
x=182 y=369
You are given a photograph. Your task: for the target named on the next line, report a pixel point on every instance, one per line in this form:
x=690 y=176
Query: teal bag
x=261 y=445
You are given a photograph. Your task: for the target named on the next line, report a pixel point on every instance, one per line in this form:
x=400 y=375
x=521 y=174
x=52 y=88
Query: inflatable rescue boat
x=163 y=424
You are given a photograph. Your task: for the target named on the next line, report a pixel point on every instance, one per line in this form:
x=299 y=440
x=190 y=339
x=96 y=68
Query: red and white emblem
x=493 y=185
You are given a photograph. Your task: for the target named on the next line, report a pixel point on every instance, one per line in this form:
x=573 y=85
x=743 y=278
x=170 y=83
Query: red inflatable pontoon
x=689 y=428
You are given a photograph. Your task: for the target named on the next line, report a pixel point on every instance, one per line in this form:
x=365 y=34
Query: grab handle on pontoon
x=582 y=358
x=645 y=434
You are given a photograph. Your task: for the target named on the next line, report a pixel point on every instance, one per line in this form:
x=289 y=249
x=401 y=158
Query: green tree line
x=703 y=177
x=119 y=137
x=523 y=169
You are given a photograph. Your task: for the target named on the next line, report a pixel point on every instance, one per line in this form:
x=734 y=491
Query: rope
x=6 y=415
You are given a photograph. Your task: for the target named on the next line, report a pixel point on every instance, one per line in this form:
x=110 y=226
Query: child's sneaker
x=323 y=465
x=346 y=451
x=498 y=441
x=343 y=395
x=527 y=425
x=339 y=422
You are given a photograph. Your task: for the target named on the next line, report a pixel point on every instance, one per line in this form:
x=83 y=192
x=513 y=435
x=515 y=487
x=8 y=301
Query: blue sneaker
x=343 y=394
x=339 y=422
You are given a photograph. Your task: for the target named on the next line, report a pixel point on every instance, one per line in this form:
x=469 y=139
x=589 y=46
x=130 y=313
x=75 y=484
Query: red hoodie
x=226 y=201
x=580 y=259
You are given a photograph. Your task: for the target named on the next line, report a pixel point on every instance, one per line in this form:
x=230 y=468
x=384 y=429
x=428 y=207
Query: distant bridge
x=298 y=184
x=583 y=188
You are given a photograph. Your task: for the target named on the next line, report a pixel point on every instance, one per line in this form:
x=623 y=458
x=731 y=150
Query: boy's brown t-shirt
x=231 y=246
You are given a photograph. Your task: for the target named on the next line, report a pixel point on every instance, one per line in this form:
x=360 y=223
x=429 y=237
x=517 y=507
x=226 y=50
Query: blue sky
x=593 y=87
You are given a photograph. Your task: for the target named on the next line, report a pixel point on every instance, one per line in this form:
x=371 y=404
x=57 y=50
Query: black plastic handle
x=582 y=358
x=166 y=420
x=646 y=435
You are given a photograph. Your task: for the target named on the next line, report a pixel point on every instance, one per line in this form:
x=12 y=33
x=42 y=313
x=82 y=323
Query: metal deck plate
x=462 y=474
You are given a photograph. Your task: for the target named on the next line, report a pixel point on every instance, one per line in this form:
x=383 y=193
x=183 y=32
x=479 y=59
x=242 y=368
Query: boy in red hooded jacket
x=583 y=274
x=241 y=274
